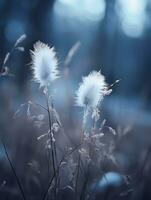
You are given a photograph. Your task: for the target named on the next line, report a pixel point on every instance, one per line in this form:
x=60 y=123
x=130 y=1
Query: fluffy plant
x=78 y=164
x=44 y=64
x=78 y=160
x=91 y=93
x=92 y=90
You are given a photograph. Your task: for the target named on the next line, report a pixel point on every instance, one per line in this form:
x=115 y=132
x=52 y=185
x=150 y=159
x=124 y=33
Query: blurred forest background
x=111 y=35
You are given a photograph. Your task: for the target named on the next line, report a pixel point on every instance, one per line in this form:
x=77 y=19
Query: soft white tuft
x=92 y=90
x=44 y=64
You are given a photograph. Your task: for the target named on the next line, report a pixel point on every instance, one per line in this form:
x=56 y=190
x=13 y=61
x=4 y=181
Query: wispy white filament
x=44 y=64
x=92 y=90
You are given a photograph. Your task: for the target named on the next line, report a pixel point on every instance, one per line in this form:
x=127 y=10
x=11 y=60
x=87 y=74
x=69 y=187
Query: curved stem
x=49 y=185
x=37 y=104
x=13 y=170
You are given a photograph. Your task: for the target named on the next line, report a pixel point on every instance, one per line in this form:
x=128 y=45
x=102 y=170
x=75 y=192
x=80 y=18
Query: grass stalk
x=13 y=170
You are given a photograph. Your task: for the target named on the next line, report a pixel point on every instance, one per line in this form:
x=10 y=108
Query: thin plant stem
x=79 y=156
x=37 y=104
x=50 y=137
x=13 y=170
x=72 y=142
x=55 y=157
x=83 y=190
x=55 y=148
x=47 y=150
x=77 y=177
x=51 y=180
x=48 y=154
x=51 y=141
x=79 y=163
x=48 y=161
x=82 y=195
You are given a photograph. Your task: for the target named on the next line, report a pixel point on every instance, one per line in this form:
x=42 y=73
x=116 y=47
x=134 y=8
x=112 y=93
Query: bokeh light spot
x=132 y=15
x=92 y=10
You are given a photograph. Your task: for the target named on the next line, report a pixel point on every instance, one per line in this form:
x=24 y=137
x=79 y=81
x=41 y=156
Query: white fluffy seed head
x=92 y=90
x=44 y=64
